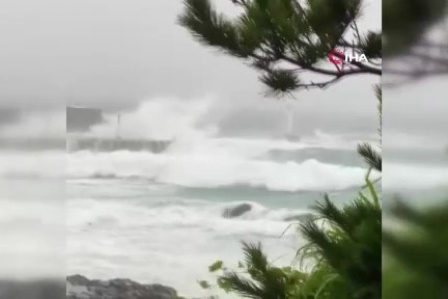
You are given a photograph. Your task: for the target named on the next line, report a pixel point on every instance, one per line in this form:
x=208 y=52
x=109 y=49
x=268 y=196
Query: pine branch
x=243 y=286
x=282 y=32
x=290 y=81
x=371 y=157
x=242 y=3
x=406 y=29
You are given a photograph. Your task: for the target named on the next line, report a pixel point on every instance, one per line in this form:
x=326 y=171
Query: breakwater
x=116 y=144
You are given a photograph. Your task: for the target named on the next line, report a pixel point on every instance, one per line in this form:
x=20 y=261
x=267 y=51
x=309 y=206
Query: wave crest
x=215 y=171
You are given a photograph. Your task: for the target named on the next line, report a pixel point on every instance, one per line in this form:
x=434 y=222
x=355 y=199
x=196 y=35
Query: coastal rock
x=237 y=210
x=80 y=287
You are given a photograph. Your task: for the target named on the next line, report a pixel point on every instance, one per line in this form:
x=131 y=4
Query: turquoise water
x=159 y=218
x=131 y=213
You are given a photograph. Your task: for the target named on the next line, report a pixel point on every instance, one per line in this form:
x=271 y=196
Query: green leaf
x=216 y=266
x=224 y=284
x=280 y=81
x=204 y=284
x=373 y=192
x=372 y=157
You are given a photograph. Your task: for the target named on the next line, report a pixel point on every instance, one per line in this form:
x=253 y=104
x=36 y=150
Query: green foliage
x=350 y=248
x=204 y=284
x=256 y=278
x=415 y=245
x=417 y=255
x=280 y=38
x=405 y=22
x=371 y=45
x=370 y=155
x=413 y=34
x=216 y=266
x=280 y=82
x=345 y=251
x=210 y=27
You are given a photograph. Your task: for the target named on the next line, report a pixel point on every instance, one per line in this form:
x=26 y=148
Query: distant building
x=80 y=119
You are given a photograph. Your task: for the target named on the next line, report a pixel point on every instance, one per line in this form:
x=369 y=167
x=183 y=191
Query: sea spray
x=190 y=170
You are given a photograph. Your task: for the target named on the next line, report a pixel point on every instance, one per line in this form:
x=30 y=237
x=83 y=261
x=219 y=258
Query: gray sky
x=418 y=107
x=114 y=54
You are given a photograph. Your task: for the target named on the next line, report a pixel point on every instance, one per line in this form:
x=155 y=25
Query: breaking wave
x=215 y=170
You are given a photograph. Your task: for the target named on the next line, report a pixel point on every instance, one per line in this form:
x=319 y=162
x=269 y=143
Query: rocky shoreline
x=80 y=287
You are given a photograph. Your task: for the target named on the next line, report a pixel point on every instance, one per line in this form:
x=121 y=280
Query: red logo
x=335 y=57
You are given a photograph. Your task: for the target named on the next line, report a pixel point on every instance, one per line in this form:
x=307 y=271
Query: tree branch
x=361 y=66
x=345 y=43
x=321 y=85
x=270 y=53
x=242 y=3
x=366 y=70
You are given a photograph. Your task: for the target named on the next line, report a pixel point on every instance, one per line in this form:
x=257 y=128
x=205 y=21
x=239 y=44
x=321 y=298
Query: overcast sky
x=115 y=54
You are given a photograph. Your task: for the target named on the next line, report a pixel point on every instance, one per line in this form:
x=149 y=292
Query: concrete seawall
x=110 y=145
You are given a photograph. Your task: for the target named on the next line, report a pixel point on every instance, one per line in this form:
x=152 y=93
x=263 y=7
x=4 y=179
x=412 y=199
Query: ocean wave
x=199 y=215
x=151 y=233
x=412 y=176
x=215 y=170
x=255 y=211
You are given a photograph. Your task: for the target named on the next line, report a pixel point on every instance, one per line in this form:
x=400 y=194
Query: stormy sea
x=164 y=213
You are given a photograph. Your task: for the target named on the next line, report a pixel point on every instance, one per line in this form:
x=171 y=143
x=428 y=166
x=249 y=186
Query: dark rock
x=237 y=210
x=78 y=280
x=80 y=287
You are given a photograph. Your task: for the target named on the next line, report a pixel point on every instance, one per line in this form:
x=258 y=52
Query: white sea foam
x=159 y=118
x=199 y=157
x=215 y=169
x=171 y=244
x=153 y=235
x=411 y=176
